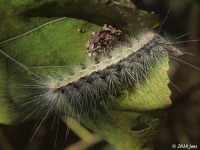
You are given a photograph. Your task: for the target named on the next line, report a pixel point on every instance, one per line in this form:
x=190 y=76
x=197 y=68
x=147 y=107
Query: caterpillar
x=125 y=67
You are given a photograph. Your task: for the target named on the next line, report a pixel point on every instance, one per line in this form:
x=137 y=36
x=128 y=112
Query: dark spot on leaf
x=140 y=124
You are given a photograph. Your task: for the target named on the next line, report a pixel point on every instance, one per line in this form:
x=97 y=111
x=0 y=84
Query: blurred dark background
x=183 y=122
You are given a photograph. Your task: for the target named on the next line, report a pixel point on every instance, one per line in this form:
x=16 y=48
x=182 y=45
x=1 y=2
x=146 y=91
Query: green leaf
x=151 y=94
x=57 y=46
x=38 y=49
x=60 y=39
x=128 y=125
x=16 y=15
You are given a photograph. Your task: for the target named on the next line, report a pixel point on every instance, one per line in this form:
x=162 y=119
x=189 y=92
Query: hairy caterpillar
x=127 y=66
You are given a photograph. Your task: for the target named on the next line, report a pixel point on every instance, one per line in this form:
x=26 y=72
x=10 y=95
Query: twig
x=87 y=138
x=83 y=145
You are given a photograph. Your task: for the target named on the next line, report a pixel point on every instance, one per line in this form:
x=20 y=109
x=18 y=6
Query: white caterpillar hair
x=81 y=92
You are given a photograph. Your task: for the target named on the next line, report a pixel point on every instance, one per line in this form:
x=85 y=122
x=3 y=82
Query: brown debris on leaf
x=100 y=42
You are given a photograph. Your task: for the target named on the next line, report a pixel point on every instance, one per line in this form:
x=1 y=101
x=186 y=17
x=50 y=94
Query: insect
x=96 y=82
